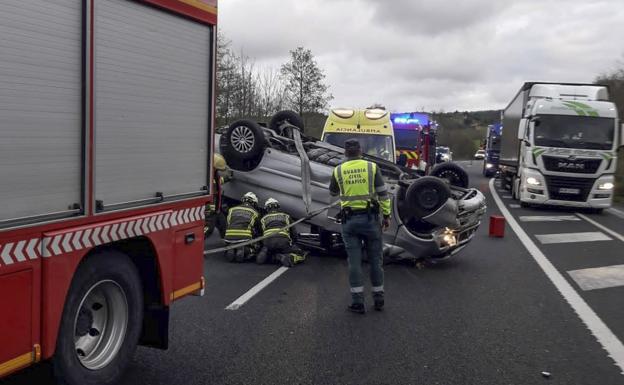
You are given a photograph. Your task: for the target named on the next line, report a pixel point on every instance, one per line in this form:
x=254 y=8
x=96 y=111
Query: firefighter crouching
x=278 y=248
x=242 y=225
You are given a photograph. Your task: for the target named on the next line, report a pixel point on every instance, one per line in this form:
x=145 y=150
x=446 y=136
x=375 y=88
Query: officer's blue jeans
x=360 y=231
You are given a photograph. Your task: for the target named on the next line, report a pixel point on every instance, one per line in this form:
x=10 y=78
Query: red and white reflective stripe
x=25 y=249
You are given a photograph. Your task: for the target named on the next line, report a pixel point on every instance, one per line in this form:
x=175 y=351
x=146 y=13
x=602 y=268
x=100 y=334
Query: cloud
x=442 y=54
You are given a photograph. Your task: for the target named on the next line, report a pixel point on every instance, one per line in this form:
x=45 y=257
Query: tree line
x=246 y=91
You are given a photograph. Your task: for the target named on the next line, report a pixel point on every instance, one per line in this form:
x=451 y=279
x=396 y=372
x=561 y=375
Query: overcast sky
x=432 y=54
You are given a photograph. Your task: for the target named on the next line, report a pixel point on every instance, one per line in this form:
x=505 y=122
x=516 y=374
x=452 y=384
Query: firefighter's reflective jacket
x=274 y=222
x=242 y=223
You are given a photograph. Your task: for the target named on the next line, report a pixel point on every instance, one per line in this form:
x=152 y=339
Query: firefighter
x=363 y=197
x=279 y=247
x=242 y=225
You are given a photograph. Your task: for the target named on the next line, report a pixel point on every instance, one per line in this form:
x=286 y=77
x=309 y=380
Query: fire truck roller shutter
x=152 y=103
x=40 y=108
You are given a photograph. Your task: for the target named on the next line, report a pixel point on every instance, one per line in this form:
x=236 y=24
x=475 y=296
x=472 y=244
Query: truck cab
x=371 y=126
x=567 y=137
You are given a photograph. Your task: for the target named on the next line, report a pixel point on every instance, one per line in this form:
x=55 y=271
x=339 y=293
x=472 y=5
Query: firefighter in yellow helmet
x=363 y=198
x=242 y=225
x=279 y=247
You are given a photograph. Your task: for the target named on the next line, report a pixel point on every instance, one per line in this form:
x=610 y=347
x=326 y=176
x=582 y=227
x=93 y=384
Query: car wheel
x=454 y=174
x=101 y=322
x=243 y=140
x=426 y=195
x=285 y=116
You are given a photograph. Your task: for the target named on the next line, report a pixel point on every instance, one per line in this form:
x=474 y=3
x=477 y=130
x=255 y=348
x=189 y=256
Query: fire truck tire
x=425 y=195
x=101 y=321
x=243 y=140
x=454 y=174
x=285 y=116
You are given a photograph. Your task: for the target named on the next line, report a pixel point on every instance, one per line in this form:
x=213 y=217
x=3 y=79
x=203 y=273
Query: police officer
x=242 y=225
x=363 y=197
x=279 y=247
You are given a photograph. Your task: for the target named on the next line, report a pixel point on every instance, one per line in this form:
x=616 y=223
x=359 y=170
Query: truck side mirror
x=522 y=128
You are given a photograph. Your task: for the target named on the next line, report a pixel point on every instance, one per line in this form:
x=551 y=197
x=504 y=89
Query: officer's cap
x=352 y=145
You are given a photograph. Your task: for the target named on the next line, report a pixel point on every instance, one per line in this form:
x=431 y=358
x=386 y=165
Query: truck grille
x=574 y=189
x=579 y=166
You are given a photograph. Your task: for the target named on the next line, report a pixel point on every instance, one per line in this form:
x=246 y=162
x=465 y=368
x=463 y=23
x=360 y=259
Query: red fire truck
x=106 y=143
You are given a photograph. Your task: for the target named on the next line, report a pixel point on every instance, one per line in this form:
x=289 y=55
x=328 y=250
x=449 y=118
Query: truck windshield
x=375 y=145
x=406 y=139
x=494 y=143
x=574 y=132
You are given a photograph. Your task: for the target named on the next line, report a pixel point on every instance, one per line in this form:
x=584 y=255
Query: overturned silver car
x=432 y=219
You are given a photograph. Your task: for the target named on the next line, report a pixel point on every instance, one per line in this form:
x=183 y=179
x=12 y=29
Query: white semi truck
x=560 y=145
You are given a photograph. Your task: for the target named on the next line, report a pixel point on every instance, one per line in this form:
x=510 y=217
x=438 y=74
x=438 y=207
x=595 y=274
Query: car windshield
x=406 y=139
x=379 y=146
x=574 y=132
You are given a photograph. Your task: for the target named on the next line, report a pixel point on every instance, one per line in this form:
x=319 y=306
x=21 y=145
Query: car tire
x=426 y=195
x=244 y=140
x=105 y=302
x=454 y=174
x=285 y=116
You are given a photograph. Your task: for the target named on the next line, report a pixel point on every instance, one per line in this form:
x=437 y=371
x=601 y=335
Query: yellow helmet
x=219 y=162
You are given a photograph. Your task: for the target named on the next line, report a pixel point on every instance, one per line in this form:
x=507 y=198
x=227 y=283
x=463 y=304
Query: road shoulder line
x=240 y=301
x=604 y=335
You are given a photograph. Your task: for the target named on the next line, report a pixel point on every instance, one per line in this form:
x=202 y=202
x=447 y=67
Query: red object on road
x=497 y=226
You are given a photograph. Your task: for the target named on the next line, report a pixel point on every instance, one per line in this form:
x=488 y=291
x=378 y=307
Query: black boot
x=357 y=308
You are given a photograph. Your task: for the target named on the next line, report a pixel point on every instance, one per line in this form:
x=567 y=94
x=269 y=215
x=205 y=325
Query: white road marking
x=506 y=196
x=514 y=206
x=616 y=212
x=602 y=227
x=548 y=218
x=604 y=335
x=240 y=301
x=591 y=236
x=599 y=277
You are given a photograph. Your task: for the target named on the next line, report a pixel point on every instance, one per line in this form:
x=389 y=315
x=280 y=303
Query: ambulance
x=371 y=126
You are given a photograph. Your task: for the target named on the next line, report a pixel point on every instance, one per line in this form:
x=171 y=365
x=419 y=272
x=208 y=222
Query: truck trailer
x=106 y=130
x=559 y=145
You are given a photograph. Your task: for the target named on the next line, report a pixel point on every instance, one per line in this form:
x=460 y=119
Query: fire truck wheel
x=244 y=140
x=425 y=195
x=285 y=116
x=101 y=321
x=454 y=174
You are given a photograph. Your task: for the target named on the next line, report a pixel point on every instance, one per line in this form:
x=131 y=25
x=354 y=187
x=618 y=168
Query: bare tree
x=271 y=92
x=306 y=90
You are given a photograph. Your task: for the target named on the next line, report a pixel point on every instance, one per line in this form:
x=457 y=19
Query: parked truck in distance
x=492 y=149
x=559 y=145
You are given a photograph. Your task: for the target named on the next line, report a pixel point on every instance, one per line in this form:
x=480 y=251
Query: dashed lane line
x=590 y=236
x=506 y=196
x=514 y=206
x=602 y=227
x=599 y=277
x=548 y=218
x=240 y=301
x=604 y=335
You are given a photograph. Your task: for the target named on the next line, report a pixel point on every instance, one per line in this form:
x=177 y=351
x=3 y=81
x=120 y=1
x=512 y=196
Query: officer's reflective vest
x=356 y=180
x=240 y=223
x=274 y=222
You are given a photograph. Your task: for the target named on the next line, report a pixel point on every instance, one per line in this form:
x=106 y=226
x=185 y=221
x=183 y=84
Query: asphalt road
x=489 y=316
